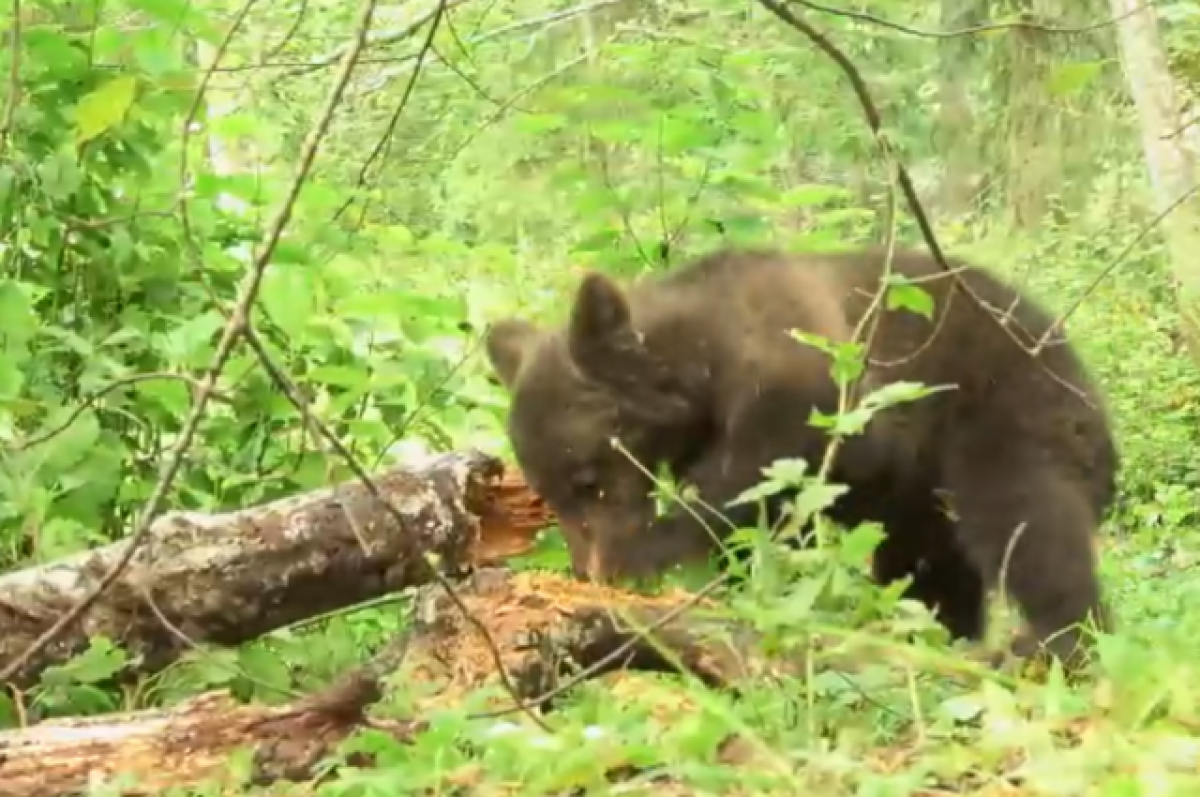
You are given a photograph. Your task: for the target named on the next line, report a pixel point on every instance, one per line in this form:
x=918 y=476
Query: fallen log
x=230 y=577
x=547 y=630
x=146 y=752
x=441 y=657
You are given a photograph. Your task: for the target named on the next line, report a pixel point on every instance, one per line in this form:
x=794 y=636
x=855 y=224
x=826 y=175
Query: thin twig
x=875 y=123
x=383 y=144
x=100 y=393
x=973 y=30
x=299 y=14
x=1111 y=267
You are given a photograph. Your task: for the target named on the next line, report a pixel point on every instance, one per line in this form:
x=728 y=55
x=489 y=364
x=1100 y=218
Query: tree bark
x=956 y=119
x=226 y=578
x=185 y=745
x=1170 y=149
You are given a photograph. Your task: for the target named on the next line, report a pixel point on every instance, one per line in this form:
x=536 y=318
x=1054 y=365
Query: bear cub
x=695 y=368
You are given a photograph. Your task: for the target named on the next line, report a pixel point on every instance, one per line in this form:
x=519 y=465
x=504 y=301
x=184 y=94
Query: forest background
x=478 y=156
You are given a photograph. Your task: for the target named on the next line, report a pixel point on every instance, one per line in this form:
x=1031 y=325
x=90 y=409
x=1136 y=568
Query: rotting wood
x=191 y=743
x=188 y=744
x=548 y=626
x=229 y=577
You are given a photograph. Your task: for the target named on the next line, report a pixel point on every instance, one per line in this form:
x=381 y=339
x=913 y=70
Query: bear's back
x=730 y=312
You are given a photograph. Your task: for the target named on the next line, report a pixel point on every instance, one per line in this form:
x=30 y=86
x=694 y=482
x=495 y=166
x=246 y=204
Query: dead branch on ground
x=230 y=577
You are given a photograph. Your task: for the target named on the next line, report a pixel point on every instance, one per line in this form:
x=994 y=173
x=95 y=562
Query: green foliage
x=537 y=140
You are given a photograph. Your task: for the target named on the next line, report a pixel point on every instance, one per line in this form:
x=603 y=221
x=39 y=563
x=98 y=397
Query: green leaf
x=8 y=178
x=848 y=362
x=902 y=294
x=847 y=423
x=69 y=446
x=172 y=395
x=756 y=493
x=104 y=108
x=9 y=716
x=682 y=135
x=59 y=176
x=900 y=393
x=962 y=708
x=215 y=666
x=190 y=342
x=801 y=600
x=288 y=296
x=816 y=498
x=101 y=661
x=339 y=375
x=791 y=472
x=176 y=13
x=157 y=52
x=540 y=123
x=816 y=341
x=619 y=129
x=780 y=475
x=746 y=227
x=856 y=546
x=266 y=669
x=59 y=537
x=18 y=322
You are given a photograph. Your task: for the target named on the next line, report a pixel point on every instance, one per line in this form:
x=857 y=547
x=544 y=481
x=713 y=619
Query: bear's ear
x=605 y=346
x=600 y=337
x=601 y=311
x=507 y=343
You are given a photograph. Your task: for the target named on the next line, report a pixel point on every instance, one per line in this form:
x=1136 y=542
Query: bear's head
x=595 y=409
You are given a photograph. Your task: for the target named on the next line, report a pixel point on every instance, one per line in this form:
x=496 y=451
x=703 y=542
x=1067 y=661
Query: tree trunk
x=1170 y=160
x=955 y=131
x=229 y=577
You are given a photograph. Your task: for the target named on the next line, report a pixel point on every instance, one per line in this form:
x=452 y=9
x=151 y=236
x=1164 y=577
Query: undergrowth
x=452 y=190
x=876 y=712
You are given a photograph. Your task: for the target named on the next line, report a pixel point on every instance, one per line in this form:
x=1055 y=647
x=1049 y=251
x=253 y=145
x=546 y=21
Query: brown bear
x=695 y=368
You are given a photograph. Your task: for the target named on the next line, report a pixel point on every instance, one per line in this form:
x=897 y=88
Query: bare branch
x=384 y=143
x=875 y=122
x=1111 y=267
x=100 y=393
x=988 y=27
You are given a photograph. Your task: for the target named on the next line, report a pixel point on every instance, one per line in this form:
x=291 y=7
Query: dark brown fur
x=695 y=368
